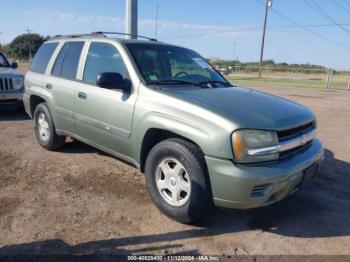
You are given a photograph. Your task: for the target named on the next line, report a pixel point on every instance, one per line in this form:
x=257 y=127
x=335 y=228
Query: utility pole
x=329 y=78
x=29 y=44
x=267 y=6
x=131 y=18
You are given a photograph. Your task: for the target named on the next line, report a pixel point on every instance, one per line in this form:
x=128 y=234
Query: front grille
x=293 y=151
x=295 y=132
x=6 y=84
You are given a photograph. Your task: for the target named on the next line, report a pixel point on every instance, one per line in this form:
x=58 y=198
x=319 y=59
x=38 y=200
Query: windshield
x=3 y=61
x=170 y=65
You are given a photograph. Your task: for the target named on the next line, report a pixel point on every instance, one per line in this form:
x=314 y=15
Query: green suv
x=199 y=140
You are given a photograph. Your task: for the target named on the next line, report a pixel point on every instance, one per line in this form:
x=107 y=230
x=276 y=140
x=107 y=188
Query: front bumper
x=8 y=98
x=248 y=186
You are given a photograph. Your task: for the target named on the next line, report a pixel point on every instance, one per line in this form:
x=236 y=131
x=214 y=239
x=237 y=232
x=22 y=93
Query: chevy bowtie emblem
x=303 y=139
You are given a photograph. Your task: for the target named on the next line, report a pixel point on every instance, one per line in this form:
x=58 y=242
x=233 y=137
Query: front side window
x=67 y=62
x=103 y=58
x=163 y=64
x=3 y=61
x=42 y=57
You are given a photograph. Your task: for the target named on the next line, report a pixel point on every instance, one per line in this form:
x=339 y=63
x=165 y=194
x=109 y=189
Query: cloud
x=164 y=26
x=84 y=19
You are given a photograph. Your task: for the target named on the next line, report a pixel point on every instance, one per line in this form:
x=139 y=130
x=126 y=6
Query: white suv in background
x=11 y=84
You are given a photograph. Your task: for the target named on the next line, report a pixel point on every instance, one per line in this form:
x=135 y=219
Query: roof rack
x=74 y=35
x=118 y=33
x=100 y=33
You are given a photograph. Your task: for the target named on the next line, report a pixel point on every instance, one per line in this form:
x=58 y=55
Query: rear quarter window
x=42 y=57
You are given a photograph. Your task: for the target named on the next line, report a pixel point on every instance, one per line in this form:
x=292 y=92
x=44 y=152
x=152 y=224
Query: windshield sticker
x=153 y=77
x=201 y=62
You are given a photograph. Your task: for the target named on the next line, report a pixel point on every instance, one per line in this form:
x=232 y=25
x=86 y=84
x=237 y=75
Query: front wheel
x=177 y=180
x=45 y=129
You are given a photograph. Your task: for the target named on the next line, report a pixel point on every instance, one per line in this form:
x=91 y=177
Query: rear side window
x=42 y=57
x=66 y=64
x=56 y=70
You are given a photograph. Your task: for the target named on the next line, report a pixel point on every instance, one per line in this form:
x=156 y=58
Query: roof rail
x=118 y=33
x=77 y=35
x=100 y=33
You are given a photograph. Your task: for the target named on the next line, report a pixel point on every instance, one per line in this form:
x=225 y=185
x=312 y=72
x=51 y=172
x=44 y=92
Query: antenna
x=157 y=20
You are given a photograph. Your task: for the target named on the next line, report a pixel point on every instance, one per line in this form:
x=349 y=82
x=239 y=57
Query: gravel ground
x=83 y=201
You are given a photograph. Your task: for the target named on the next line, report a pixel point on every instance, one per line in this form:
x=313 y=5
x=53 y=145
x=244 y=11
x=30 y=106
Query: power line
x=307 y=29
x=318 y=9
x=255 y=28
x=310 y=25
x=342 y=7
x=217 y=32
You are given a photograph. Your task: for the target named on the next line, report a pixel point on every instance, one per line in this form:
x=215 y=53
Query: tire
x=187 y=207
x=51 y=141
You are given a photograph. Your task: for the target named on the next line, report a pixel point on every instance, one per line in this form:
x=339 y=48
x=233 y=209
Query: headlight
x=18 y=82
x=253 y=146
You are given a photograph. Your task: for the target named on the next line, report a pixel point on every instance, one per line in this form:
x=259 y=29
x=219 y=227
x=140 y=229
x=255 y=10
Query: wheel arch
x=154 y=136
x=34 y=101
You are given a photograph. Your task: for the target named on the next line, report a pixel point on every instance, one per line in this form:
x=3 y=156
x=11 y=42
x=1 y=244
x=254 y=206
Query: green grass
x=285 y=82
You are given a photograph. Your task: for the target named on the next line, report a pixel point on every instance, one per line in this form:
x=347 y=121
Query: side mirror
x=111 y=80
x=14 y=65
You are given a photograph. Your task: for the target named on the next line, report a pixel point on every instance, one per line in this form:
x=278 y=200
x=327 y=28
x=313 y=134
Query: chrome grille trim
x=285 y=145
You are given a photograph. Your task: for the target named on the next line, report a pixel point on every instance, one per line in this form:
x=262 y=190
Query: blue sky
x=214 y=28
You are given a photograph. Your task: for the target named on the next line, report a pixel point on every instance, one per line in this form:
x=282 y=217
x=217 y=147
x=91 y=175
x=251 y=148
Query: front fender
x=212 y=140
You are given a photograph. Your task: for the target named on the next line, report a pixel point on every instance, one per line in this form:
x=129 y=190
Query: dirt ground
x=82 y=201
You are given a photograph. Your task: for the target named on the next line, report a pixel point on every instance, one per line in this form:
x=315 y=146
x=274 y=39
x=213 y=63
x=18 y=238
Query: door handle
x=82 y=95
x=48 y=86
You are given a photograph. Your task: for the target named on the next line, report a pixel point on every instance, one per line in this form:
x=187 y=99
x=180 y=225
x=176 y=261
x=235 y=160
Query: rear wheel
x=177 y=180
x=45 y=129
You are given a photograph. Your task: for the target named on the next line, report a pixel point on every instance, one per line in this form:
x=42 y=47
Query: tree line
x=23 y=45
x=266 y=64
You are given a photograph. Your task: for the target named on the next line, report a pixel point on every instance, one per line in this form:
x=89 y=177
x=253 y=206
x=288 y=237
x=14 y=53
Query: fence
x=289 y=77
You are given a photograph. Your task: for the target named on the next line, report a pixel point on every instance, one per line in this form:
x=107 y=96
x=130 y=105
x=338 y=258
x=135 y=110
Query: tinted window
x=165 y=63
x=3 y=61
x=103 y=58
x=42 y=57
x=66 y=64
x=56 y=70
x=71 y=59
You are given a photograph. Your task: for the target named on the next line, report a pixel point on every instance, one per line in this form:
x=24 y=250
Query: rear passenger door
x=63 y=83
x=104 y=116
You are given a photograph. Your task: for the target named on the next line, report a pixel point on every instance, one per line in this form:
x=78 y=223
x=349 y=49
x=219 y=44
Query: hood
x=8 y=71
x=247 y=108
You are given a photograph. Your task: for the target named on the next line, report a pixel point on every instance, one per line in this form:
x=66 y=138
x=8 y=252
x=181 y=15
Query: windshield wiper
x=174 y=81
x=227 y=84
